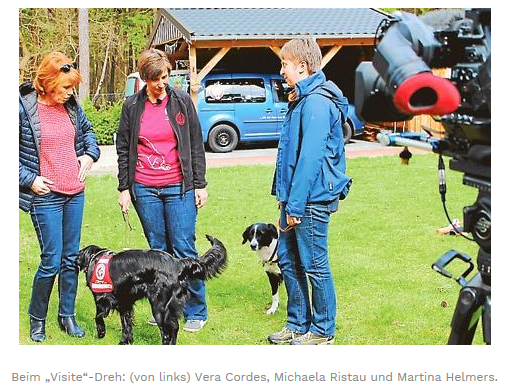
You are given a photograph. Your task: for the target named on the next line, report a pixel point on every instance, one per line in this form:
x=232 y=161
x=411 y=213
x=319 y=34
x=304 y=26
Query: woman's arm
x=122 y=145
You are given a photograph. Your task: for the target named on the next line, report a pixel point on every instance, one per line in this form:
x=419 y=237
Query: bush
x=104 y=119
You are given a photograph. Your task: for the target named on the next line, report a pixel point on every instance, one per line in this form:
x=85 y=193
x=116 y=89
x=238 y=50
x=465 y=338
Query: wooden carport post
x=195 y=84
x=197 y=77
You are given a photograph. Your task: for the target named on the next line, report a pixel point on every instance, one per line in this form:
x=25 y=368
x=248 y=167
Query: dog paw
x=101 y=334
x=271 y=311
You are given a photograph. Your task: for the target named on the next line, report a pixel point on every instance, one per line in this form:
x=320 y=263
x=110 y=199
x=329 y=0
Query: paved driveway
x=246 y=155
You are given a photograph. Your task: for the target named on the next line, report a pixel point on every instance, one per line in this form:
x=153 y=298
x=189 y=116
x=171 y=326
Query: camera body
x=399 y=82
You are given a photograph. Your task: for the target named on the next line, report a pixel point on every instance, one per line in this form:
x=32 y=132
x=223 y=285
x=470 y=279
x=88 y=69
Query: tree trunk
x=84 y=54
x=103 y=73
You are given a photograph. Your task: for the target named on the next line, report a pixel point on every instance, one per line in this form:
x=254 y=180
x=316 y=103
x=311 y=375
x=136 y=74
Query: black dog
x=263 y=239
x=151 y=274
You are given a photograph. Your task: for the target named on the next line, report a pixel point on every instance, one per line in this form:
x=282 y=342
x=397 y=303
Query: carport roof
x=203 y=24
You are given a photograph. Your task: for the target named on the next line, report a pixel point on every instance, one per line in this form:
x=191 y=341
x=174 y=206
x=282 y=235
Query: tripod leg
x=466 y=316
x=486 y=320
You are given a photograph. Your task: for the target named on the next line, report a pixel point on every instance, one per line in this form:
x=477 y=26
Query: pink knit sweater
x=58 y=160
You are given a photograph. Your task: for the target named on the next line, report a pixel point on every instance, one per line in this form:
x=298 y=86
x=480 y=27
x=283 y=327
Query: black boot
x=69 y=326
x=37 y=330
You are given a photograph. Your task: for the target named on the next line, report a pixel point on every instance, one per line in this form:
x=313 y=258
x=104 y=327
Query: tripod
x=474 y=302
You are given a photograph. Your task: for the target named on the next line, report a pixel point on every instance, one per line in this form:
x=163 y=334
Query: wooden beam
x=195 y=84
x=329 y=55
x=280 y=42
x=210 y=65
x=276 y=50
x=346 y=42
x=240 y=43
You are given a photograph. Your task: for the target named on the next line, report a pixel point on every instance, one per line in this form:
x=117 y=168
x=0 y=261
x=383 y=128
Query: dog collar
x=101 y=281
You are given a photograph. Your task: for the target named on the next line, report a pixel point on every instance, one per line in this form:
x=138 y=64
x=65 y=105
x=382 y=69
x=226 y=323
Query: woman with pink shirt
x=57 y=149
x=162 y=170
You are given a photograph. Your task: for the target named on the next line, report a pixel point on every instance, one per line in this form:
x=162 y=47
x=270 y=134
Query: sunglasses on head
x=67 y=66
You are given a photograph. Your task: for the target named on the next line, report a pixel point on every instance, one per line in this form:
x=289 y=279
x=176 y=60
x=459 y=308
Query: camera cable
x=442 y=190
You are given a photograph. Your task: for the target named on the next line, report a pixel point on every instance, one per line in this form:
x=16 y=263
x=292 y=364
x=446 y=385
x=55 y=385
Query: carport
x=250 y=39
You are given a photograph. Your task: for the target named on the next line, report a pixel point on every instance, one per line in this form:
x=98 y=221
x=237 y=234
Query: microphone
x=157 y=102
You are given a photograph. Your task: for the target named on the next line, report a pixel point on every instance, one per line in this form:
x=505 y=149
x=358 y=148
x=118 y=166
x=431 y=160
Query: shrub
x=104 y=119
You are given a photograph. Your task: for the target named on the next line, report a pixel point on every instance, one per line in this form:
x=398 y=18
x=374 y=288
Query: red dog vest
x=101 y=281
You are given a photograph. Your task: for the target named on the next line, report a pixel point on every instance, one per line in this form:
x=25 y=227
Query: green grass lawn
x=382 y=243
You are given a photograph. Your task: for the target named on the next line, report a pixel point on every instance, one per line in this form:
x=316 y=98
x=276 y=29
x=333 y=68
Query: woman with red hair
x=57 y=149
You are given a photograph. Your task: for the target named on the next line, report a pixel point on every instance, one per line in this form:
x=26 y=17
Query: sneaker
x=152 y=321
x=312 y=339
x=283 y=337
x=194 y=325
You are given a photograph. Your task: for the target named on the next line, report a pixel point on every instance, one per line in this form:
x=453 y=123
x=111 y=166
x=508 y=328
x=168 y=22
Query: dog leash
x=286 y=229
x=128 y=230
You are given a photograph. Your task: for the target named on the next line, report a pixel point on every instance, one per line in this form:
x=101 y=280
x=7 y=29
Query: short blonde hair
x=151 y=63
x=49 y=74
x=303 y=50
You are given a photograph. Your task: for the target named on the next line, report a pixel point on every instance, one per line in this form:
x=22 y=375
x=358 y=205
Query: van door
x=280 y=91
x=254 y=109
x=215 y=103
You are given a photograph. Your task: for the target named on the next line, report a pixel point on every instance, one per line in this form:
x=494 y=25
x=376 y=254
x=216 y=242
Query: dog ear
x=85 y=255
x=272 y=228
x=245 y=234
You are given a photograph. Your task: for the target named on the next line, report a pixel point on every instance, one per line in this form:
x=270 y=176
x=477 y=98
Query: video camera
x=399 y=84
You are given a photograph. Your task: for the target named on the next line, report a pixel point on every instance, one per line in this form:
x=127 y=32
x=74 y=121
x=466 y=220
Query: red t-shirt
x=58 y=159
x=157 y=163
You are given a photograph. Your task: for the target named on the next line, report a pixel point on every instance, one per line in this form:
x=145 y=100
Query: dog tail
x=210 y=265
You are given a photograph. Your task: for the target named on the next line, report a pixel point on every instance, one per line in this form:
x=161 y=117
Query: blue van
x=243 y=108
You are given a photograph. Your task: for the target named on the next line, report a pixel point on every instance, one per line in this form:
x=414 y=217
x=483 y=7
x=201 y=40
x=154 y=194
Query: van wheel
x=223 y=138
x=347 y=131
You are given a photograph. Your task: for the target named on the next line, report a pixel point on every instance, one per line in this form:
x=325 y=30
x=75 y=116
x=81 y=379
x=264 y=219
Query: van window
x=218 y=91
x=131 y=86
x=245 y=90
x=250 y=90
x=281 y=90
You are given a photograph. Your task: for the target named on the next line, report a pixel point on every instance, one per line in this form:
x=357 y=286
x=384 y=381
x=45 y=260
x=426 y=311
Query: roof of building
x=202 y=24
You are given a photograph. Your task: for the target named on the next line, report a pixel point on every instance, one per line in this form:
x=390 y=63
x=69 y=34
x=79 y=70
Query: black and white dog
x=263 y=239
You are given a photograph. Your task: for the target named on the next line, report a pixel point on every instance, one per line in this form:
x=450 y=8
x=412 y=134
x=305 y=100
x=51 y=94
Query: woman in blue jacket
x=309 y=180
x=57 y=149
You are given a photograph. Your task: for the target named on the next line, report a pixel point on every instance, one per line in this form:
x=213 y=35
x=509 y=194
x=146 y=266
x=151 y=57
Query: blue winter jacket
x=311 y=155
x=30 y=135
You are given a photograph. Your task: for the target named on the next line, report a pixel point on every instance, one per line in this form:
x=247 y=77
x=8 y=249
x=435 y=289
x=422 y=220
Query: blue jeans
x=303 y=255
x=57 y=221
x=169 y=221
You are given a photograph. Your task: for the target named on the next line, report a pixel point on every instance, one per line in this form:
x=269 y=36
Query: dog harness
x=101 y=281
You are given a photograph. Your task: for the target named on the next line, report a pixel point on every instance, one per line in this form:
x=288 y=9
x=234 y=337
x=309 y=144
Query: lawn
x=382 y=244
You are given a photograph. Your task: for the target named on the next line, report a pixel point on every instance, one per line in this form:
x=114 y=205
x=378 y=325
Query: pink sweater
x=58 y=159
x=157 y=148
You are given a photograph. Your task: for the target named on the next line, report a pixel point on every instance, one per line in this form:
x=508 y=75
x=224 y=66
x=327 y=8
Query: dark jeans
x=57 y=220
x=169 y=221
x=303 y=255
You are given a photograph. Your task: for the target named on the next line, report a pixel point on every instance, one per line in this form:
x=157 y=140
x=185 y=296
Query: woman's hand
x=292 y=221
x=201 y=196
x=124 y=200
x=40 y=185
x=85 y=163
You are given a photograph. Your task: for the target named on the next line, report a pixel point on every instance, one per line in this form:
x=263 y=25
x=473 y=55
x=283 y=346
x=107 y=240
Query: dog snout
x=254 y=246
